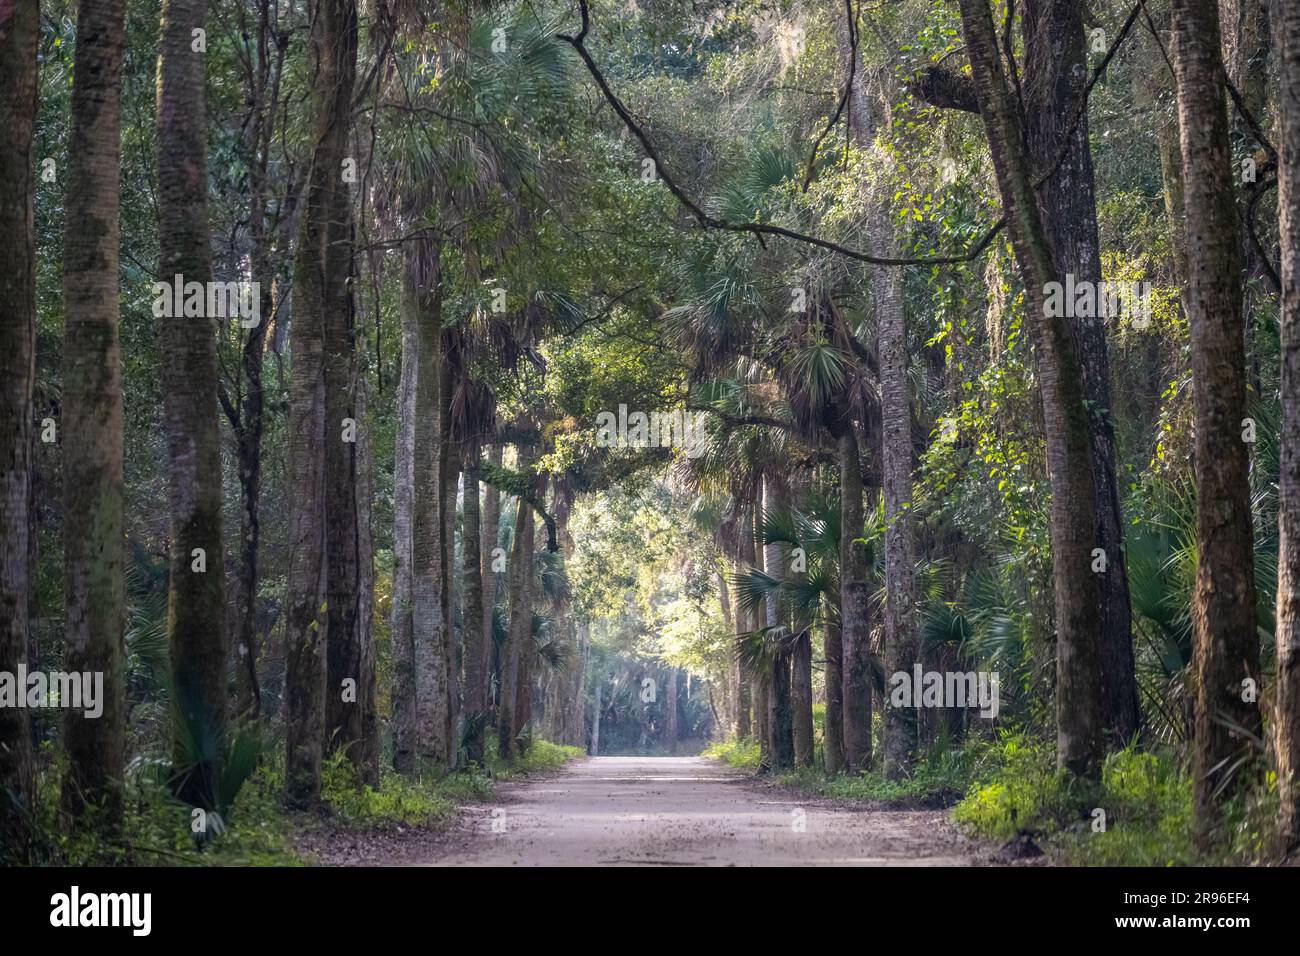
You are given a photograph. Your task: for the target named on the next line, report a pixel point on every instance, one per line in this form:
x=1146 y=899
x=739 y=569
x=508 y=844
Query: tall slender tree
x=472 y=587
x=1287 y=720
x=488 y=557
x=1052 y=84
x=1069 y=451
x=448 y=486
x=1226 y=648
x=746 y=557
x=1055 y=75
x=321 y=277
x=780 y=719
x=19 y=31
x=886 y=284
x=855 y=595
x=801 y=656
x=521 y=618
x=269 y=219
x=428 y=545
x=92 y=412
x=195 y=594
x=347 y=687
x=403 y=622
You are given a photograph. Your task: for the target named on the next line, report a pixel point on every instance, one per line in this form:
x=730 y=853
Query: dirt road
x=646 y=811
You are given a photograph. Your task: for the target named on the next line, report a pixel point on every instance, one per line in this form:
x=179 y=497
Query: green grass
x=428 y=797
x=158 y=830
x=541 y=755
x=735 y=753
x=1010 y=786
x=942 y=775
x=258 y=830
x=1139 y=814
x=416 y=800
x=940 y=778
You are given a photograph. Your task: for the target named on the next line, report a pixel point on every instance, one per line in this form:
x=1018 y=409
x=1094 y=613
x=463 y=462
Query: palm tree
x=1226 y=645
x=92 y=412
x=196 y=601
x=320 y=342
x=1288 y=586
x=18 y=76
x=461 y=144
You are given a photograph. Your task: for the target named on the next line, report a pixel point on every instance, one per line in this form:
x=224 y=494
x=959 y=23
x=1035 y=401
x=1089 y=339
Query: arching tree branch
x=761 y=230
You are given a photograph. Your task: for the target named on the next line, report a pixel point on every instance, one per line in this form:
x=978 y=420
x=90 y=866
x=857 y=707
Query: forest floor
x=646 y=811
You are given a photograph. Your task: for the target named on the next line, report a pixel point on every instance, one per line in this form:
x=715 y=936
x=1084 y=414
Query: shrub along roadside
x=1139 y=815
x=258 y=830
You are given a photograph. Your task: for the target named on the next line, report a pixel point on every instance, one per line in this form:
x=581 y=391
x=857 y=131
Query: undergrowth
x=1138 y=814
x=257 y=830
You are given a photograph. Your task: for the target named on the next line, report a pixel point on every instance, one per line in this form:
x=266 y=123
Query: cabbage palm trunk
x=1226 y=648
x=855 y=595
x=18 y=79
x=472 y=586
x=322 y=266
x=195 y=603
x=521 y=617
x=94 y=592
x=1287 y=720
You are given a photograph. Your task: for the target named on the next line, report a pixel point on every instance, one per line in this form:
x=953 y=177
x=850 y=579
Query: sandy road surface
x=688 y=811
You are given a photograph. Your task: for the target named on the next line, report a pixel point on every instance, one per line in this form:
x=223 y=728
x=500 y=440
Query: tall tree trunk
x=1055 y=74
x=743 y=693
x=801 y=694
x=751 y=557
x=855 y=595
x=321 y=270
x=1054 y=79
x=195 y=600
x=367 y=725
x=1226 y=648
x=19 y=29
x=1287 y=719
x=472 y=628
x=432 y=680
x=344 y=720
x=670 y=713
x=94 y=593
x=900 y=724
x=521 y=614
x=776 y=496
x=247 y=421
x=744 y=624
x=569 y=680
x=405 y=706
x=801 y=689
x=525 y=647
x=1069 y=448
x=901 y=650
x=488 y=557
x=833 y=726
x=578 y=702
x=249 y=448
x=730 y=676
x=450 y=469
